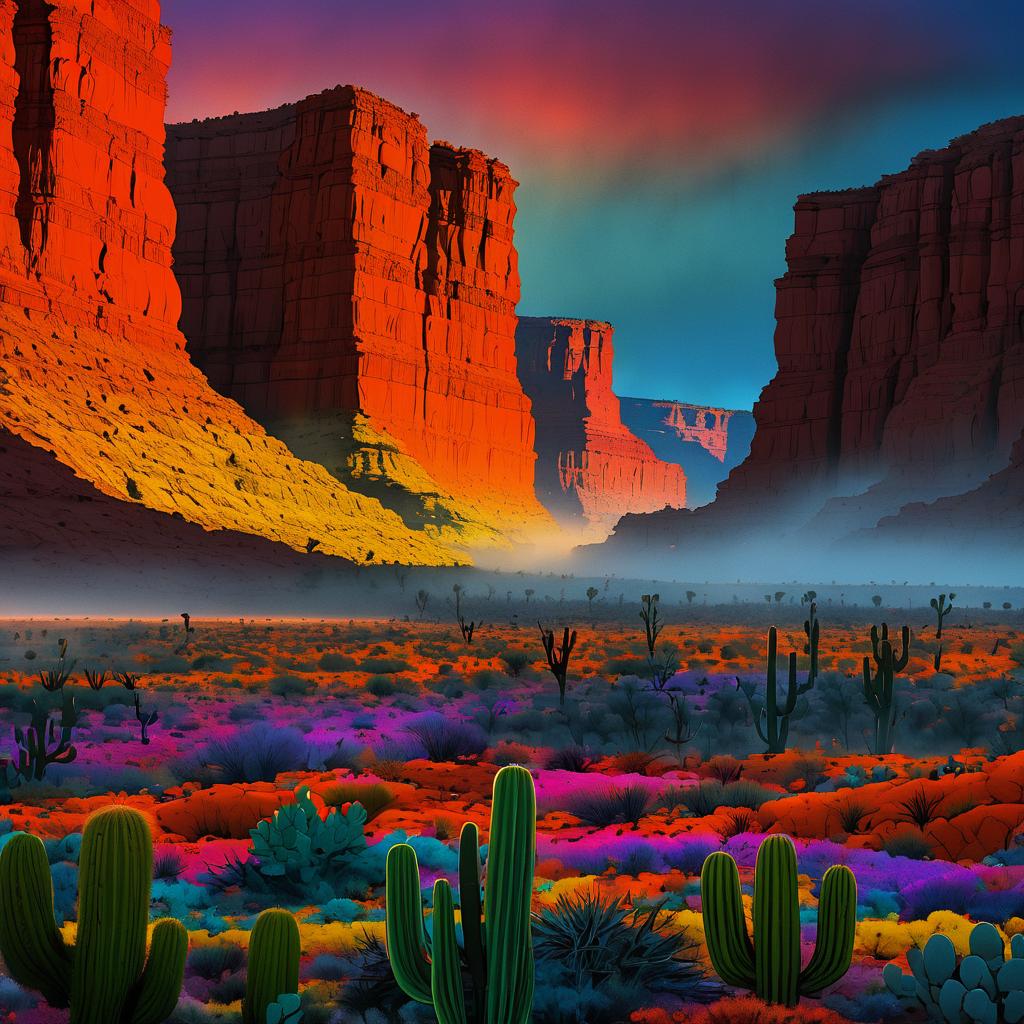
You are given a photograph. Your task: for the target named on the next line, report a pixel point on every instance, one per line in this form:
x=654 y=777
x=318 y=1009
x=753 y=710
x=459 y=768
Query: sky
x=659 y=144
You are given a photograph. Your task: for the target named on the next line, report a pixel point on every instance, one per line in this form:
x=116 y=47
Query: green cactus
x=771 y=719
x=106 y=977
x=501 y=969
x=813 y=630
x=770 y=965
x=941 y=609
x=879 y=688
x=273 y=969
x=983 y=988
x=286 y=1009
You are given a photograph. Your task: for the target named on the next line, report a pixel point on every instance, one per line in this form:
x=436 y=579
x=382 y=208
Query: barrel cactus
x=770 y=965
x=983 y=988
x=273 y=969
x=501 y=970
x=106 y=977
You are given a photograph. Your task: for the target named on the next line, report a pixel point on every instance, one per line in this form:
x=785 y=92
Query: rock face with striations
x=590 y=468
x=900 y=343
x=93 y=369
x=354 y=288
x=707 y=442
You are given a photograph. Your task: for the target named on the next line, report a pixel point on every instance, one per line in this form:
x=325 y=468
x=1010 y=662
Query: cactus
x=144 y=720
x=55 y=678
x=273 y=969
x=652 y=620
x=983 y=988
x=501 y=970
x=771 y=719
x=558 y=661
x=286 y=1009
x=879 y=688
x=106 y=977
x=813 y=630
x=770 y=965
x=45 y=740
x=942 y=609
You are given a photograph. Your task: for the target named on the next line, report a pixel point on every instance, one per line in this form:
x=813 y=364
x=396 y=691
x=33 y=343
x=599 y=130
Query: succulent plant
x=106 y=977
x=501 y=973
x=770 y=965
x=273 y=970
x=286 y=1009
x=880 y=686
x=982 y=988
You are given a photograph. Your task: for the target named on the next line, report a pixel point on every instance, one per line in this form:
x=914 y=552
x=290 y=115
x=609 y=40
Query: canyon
x=707 y=442
x=591 y=469
x=93 y=370
x=900 y=342
x=354 y=288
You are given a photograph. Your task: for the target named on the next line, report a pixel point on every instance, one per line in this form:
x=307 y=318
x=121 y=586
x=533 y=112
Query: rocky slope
x=93 y=369
x=591 y=469
x=707 y=442
x=354 y=288
x=900 y=343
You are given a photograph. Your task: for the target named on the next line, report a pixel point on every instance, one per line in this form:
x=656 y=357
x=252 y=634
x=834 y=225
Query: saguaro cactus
x=879 y=687
x=771 y=718
x=558 y=660
x=813 y=630
x=106 y=978
x=770 y=965
x=941 y=611
x=501 y=970
x=273 y=969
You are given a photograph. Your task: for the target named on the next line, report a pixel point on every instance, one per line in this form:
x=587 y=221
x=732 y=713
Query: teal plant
x=273 y=969
x=985 y=987
x=772 y=715
x=880 y=686
x=497 y=944
x=106 y=977
x=558 y=658
x=769 y=965
x=286 y=1009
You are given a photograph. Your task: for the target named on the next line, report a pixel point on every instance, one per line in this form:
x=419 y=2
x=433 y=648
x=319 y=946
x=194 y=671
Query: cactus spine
x=879 y=688
x=771 y=718
x=106 y=977
x=273 y=968
x=501 y=970
x=770 y=965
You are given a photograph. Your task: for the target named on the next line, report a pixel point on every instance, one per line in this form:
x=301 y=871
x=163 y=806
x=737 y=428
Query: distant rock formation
x=354 y=288
x=900 y=343
x=707 y=442
x=591 y=469
x=93 y=369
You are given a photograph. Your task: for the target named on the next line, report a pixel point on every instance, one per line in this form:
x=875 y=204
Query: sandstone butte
x=93 y=369
x=900 y=341
x=355 y=288
x=591 y=469
x=706 y=441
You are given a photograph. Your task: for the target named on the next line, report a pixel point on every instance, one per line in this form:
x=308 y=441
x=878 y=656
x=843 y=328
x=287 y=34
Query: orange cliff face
x=591 y=469
x=92 y=366
x=354 y=289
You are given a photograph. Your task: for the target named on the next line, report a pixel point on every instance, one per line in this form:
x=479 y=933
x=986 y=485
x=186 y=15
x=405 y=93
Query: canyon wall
x=707 y=442
x=900 y=343
x=354 y=288
x=93 y=369
x=590 y=468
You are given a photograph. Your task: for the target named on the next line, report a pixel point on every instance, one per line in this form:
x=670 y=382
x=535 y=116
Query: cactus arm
x=837 y=922
x=114 y=877
x=508 y=896
x=725 y=928
x=472 y=912
x=776 y=922
x=406 y=937
x=445 y=968
x=273 y=963
x=900 y=663
x=33 y=949
x=158 y=989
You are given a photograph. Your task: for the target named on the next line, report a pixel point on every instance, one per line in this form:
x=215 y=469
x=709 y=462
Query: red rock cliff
x=93 y=369
x=900 y=343
x=355 y=290
x=590 y=468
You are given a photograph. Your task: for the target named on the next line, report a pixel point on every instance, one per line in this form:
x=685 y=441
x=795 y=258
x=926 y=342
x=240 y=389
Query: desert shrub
x=706 y=797
x=913 y=845
x=515 y=661
x=335 y=662
x=291 y=686
x=214 y=961
x=375 y=797
x=570 y=759
x=446 y=739
x=384 y=666
x=168 y=863
x=611 y=806
x=507 y=752
x=257 y=753
x=723 y=767
x=388 y=686
x=738 y=822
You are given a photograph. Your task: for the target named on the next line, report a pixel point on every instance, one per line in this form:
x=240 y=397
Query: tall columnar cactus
x=273 y=969
x=770 y=965
x=942 y=609
x=500 y=970
x=983 y=988
x=106 y=977
x=771 y=716
x=45 y=740
x=813 y=630
x=879 y=687
x=558 y=658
